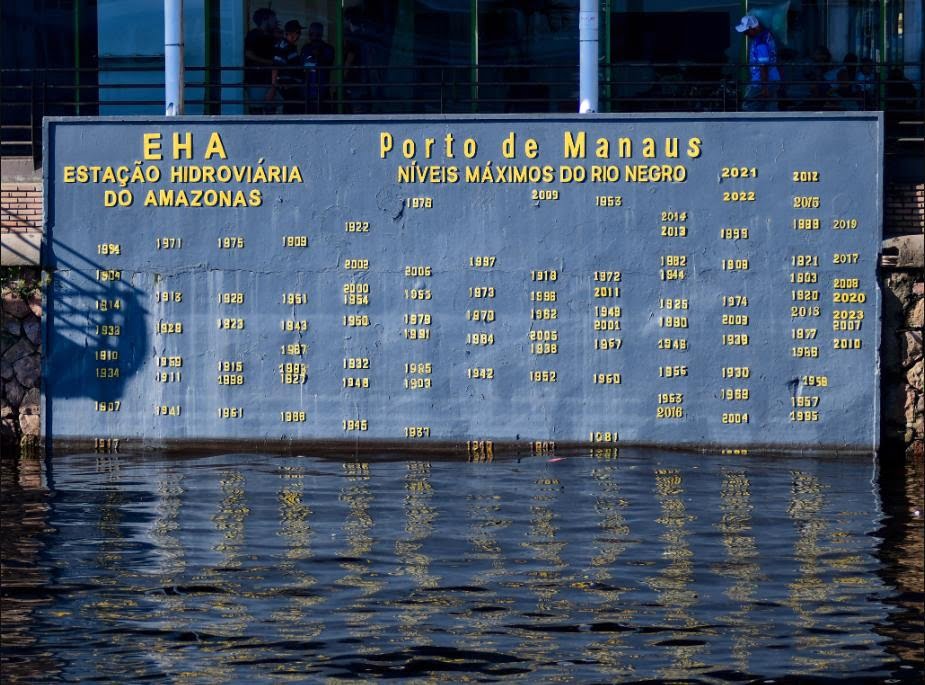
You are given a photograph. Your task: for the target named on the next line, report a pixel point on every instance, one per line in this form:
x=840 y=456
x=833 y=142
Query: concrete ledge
x=20 y=249
x=13 y=169
x=904 y=252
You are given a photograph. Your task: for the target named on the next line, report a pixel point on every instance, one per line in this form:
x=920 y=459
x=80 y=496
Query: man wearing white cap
x=761 y=94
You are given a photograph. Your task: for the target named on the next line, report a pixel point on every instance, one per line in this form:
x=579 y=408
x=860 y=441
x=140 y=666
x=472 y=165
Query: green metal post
x=77 y=55
x=742 y=74
x=473 y=55
x=883 y=58
x=608 y=56
x=207 y=74
x=339 y=55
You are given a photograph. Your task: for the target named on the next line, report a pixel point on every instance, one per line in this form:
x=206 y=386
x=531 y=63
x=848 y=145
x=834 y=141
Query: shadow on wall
x=96 y=335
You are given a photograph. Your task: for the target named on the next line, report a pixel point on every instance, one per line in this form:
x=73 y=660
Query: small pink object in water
x=555 y=459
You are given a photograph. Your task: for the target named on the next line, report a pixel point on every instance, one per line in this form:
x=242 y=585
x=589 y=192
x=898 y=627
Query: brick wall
x=20 y=207
x=904 y=210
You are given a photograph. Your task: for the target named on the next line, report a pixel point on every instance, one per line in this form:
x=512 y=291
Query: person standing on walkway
x=318 y=58
x=288 y=75
x=762 y=92
x=258 y=57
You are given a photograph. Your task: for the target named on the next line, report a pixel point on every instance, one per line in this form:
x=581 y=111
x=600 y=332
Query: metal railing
x=28 y=95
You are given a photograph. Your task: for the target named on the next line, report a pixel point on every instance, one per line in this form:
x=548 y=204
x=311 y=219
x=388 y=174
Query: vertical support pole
x=338 y=71
x=473 y=56
x=882 y=54
x=77 y=56
x=587 y=56
x=608 y=56
x=742 y=75
x=173 y=57
x=207 y=72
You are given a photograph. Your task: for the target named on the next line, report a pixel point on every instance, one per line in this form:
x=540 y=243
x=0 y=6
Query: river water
x=598 y=567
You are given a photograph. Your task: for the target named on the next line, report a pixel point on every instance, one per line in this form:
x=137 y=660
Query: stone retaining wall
x=20 y=359
x=901 y=362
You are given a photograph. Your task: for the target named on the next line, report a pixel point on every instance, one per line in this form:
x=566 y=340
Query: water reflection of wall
x=610 y=613
x=24 y=514
x=356 y=562
x=902 y=553
x=674 y=585
x=236 y=567
x=741 y=565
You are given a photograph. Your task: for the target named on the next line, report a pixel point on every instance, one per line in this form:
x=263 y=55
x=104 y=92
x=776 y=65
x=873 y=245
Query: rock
x=29 y=424
x=33 y=331
x=8 y=425
x=28 y=370
x=914 y=376
x=13 y=393
x=915 y=318
x=896 y=296
x=35 y=303
x=909 y=409
x=6 y=370
x=14 y=305
x=11 y=327
x=901 y=284
x=30 y=402
x=912 y=347
x=18 y=351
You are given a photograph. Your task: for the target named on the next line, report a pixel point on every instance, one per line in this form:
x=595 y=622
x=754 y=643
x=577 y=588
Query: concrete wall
x=902 y=384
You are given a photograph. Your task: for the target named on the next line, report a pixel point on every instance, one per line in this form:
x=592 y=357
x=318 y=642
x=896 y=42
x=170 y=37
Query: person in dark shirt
x=289 y=77
x=258 y=56
x=317 y=58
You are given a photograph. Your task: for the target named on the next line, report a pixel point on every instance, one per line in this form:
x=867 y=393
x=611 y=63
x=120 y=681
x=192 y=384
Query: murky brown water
x=631 y=567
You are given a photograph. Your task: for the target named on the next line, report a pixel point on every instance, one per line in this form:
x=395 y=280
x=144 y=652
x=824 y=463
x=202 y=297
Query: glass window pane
x=407 y=55
x=528 y=56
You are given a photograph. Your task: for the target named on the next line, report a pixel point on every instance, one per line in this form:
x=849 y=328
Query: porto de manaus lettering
x=144 y=180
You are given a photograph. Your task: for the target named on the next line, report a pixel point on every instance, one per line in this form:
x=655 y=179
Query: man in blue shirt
x=761 y=93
